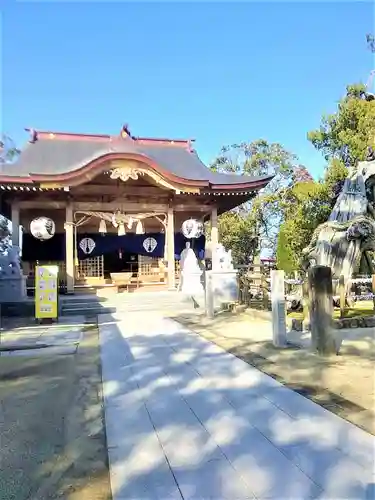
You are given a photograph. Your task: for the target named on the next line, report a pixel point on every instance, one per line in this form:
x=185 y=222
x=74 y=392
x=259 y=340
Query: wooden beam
x=111 y=206
x=184 y=207
x=102 y=189
x=42 y=203
x=93 y=206
x=124 y=207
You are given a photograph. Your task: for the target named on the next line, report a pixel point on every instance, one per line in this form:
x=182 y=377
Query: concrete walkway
x=185 y=419
x=59 y=338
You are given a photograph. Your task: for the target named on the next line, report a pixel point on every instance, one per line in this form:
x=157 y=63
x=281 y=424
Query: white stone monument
x=221 y=282
x=278 y=308
x=190 y=280
x=222 y=258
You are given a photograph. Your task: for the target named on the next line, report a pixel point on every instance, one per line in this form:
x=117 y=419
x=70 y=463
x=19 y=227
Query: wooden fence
x=255 y=291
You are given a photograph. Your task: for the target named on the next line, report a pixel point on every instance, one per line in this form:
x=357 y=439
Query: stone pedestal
x=13 y=289
x=221 y=288
x=191 y=282
x=12 y=281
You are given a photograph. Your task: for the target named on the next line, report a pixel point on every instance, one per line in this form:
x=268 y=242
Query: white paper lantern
x=192 y=228
x=42 y=228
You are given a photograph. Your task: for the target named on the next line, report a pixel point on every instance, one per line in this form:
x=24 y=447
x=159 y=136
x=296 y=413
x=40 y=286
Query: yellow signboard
x=46 y=291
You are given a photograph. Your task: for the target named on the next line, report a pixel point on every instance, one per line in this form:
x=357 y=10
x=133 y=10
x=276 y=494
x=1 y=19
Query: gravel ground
x=52 y=439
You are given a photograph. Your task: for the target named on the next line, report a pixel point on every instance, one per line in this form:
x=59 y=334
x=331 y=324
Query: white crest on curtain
x=149 y=244
x=87 y=245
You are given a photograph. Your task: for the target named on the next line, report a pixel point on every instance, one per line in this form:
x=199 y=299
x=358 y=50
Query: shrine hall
x=117 y=203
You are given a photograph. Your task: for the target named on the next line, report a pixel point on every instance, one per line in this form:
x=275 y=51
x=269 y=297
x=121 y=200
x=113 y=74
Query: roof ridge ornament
x=33 y=135
x=190 y=146
x=125 y=132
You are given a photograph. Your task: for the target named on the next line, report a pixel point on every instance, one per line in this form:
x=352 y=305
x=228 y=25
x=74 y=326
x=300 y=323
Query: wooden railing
x=90 y=272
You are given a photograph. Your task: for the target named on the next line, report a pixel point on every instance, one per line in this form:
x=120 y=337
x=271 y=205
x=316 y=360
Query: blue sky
x=217 y=72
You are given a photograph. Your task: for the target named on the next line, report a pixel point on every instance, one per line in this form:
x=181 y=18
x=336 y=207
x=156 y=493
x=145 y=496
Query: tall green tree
x=343 y=138
x=346 y=134
x=263 y=215
x=238 y=232
x=308 y=205
x=8 y=150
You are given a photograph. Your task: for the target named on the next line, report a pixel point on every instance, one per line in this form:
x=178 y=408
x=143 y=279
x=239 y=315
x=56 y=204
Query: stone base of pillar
x=191 y=283
x=221 y=288
x=13 y=289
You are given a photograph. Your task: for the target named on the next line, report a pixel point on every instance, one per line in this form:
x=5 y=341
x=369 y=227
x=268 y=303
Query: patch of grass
x=360 y=309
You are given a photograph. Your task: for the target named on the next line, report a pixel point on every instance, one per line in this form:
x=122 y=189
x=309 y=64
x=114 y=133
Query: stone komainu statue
x=346 y=239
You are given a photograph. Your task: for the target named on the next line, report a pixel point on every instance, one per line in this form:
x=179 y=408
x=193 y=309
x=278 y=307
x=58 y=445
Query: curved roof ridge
x=48 y=158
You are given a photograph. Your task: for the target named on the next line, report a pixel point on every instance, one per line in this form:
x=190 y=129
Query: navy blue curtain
x=151 y=244
x=33 y=249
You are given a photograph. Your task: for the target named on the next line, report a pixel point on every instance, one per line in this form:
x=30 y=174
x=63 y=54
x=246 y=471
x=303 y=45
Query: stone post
x=69 y=248
x=321 y=310
x=170 y=250
x=278 y=308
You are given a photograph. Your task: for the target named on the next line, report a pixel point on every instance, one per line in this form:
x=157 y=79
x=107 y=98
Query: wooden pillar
x=69 y=248
x=170 y=250
x=321 y=310
x=214 y=237
x=15 y=217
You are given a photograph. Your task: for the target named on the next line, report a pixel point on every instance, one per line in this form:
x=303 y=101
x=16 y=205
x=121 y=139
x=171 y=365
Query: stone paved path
x=185 y=419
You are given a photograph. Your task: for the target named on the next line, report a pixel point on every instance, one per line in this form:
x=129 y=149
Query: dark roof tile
x=59 y=156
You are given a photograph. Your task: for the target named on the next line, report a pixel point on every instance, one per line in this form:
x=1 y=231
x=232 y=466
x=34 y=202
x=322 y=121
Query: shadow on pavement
x=185 y=419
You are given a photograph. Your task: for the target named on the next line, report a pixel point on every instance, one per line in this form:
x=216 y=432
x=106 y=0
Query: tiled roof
x=53 y=156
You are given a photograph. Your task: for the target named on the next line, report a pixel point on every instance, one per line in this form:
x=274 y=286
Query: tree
x=286 y=259
x=346 y=134
x=8 y=150
x=4 y=234
x=370 y=39
x=264 y=213
x=237 y=232
x=8 y=153
x=308 y=205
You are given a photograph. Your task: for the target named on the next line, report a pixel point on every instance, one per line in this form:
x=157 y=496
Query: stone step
x=72 y=307
x=153 y=304
x=89 y=311
x=75 y=305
